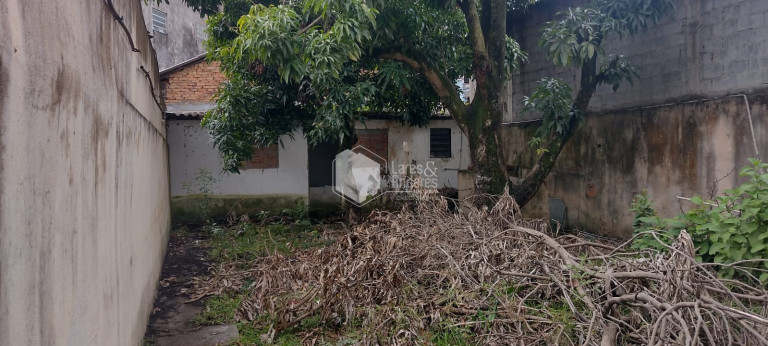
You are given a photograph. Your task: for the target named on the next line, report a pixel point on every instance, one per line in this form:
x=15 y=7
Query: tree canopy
x=322 y=65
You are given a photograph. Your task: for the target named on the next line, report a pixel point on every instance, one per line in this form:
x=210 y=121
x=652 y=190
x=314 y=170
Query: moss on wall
x=188 y=208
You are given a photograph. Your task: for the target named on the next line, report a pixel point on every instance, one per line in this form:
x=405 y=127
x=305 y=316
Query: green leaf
x=716 y=247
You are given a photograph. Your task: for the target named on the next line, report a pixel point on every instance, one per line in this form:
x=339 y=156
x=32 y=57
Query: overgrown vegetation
x=247 y=239
x=731 y=230
x=430 y=276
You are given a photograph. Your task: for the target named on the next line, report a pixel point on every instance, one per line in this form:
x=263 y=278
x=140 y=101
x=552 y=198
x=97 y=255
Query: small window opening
x=440 y=143
x=159 y=19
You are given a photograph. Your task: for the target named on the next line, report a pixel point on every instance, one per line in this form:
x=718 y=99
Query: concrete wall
x=687 y=149
x=181 y=41
x=416 y=140
x=647 y=137
x=84 y=210
x=191 y=150
x=704 y=49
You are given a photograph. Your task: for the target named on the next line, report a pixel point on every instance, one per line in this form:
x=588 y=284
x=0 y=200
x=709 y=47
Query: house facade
x=288 y=175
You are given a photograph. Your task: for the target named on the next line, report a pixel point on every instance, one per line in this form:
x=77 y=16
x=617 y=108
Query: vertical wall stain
x=3 y=96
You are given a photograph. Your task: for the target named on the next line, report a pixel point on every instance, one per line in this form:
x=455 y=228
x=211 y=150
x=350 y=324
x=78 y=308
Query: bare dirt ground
x=171 y=322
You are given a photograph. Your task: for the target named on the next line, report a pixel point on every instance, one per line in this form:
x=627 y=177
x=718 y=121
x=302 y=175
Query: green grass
x=250 y=333
x=449 y=336
x=247 y=241
x=219 y=310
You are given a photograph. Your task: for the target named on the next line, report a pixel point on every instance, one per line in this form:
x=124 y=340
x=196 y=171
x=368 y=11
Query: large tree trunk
x=483 y=129
x=482 y=122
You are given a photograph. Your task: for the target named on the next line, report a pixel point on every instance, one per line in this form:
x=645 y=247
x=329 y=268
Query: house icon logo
x=357 y=175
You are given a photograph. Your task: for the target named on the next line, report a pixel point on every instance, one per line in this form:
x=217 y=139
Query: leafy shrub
x=733 y=228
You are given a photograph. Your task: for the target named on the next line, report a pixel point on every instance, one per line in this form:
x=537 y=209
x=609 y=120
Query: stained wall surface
x=687 y=149
x=683 y=129
x=84 y=206
x=703 y=49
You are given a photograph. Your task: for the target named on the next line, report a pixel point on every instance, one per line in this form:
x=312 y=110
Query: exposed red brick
x=263 y=158
x=375 y=140
x=196 y=83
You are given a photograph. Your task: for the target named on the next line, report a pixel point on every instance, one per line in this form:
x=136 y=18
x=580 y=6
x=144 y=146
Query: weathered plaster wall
x=704 y=49
x=191 y=150
x=642 y=137
x=416 y=140
x=688 y=149
x=181 y=41
x=84 y=208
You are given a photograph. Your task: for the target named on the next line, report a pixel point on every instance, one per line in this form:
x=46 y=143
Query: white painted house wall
x=417 y=139
x=191 y=149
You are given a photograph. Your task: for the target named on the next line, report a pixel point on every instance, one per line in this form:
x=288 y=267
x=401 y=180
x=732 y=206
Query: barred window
x=440 y=143
x=159 y=19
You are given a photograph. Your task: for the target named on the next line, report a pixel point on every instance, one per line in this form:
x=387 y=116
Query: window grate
x=159 y=19
x=440 y=143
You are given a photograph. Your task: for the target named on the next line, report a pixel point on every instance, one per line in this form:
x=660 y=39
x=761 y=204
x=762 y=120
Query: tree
x=323 y=64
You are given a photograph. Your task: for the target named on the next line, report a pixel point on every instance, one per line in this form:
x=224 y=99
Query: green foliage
x=552 y=98
x=323 y=65
x=579 y=35
x=450 y=336
x=247 y=115
x=618 y=69
x=245 y=240
x=731 y=229
x=515 y=56
x=314 y=65
x=298 y=213
x=646 y=219
x=218 y=310
x=577 y=39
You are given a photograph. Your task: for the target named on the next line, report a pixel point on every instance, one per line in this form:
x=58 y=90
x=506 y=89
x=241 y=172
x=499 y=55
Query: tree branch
x=494 y=19
x=442 y=85
x=476 y=37
x=527 y=188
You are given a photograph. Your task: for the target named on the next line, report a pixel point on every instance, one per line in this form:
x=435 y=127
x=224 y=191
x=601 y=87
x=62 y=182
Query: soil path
x=171 y=321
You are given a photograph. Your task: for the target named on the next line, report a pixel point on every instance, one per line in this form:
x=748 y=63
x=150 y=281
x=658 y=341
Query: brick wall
x=264 y=158
x=705 y=49
x=196 y=83
x=375 y=140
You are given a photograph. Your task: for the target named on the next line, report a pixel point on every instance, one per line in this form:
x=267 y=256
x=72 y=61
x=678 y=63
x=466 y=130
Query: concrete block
x=748 y=50
x=706 y=6
x=758 y=6
x=712 y=70
x=737 y=67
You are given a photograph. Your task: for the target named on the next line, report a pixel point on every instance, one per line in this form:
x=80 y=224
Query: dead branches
x=404 y=277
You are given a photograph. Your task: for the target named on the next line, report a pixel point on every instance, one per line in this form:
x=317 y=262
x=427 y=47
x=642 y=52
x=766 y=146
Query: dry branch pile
x=400 y=277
